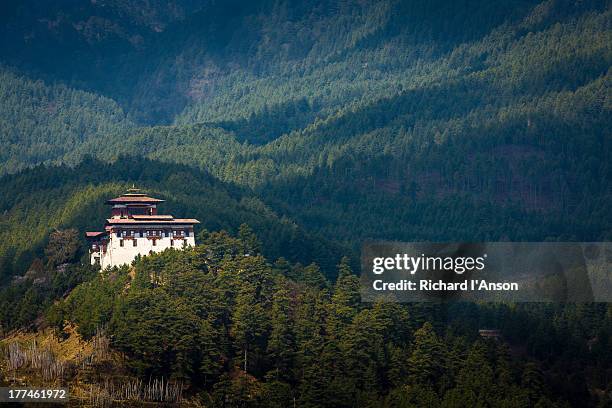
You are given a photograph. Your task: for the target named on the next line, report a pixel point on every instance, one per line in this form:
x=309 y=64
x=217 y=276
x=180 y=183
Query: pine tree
x=250 y=243
x=63 y=246
x=312 y=276
x=503 y=368
x=476 y=377
x=427 y=362
x=533 y=381
x=281 y=340
x=345 y=300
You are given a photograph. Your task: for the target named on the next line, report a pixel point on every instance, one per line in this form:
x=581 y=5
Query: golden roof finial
x=133 y=190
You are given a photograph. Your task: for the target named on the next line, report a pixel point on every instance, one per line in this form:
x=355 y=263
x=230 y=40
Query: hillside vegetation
x=393 y=112
x=42 y=123
x=296 y=130
x=238 y=330
x=38 y=201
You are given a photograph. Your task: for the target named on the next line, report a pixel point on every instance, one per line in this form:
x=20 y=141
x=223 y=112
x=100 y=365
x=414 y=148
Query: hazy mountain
x=382 y=110
x=227 y=60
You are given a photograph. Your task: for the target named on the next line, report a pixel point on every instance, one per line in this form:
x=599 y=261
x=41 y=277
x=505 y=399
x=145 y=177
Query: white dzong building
x=135 y=228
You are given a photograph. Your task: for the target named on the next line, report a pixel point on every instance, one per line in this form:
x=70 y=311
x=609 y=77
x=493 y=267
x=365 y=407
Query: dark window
x=120 y=242
x=118 y=233
x=171 y=242
x=137 y=211
x=135 y=242
x=154 y=242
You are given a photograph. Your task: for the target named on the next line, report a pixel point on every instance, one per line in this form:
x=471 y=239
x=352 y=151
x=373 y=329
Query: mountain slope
x=398 y=121
x=37 y=201
x=517 y=136
x=41 y=123
x=228 y=60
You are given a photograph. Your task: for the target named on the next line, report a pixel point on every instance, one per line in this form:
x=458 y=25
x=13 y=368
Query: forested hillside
x=235 y=330
x=229 y=60
x=303 y=129
x=38 y=201
x=392 y=103
x=42 y=123
x=375 y=119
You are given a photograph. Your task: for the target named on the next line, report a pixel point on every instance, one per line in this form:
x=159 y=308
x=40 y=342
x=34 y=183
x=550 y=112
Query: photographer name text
x=429 y=285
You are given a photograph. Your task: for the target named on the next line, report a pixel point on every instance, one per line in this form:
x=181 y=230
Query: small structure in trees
x=494 y=334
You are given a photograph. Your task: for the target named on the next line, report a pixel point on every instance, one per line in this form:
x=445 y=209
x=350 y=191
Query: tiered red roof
x=154 y=220
x=135 y=199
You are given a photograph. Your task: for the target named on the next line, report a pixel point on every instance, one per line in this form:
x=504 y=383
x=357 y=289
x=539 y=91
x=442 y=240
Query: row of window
x=154 y=233
x=153 y=242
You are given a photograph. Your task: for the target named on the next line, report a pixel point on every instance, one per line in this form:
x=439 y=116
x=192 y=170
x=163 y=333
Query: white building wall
x=117 y=255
